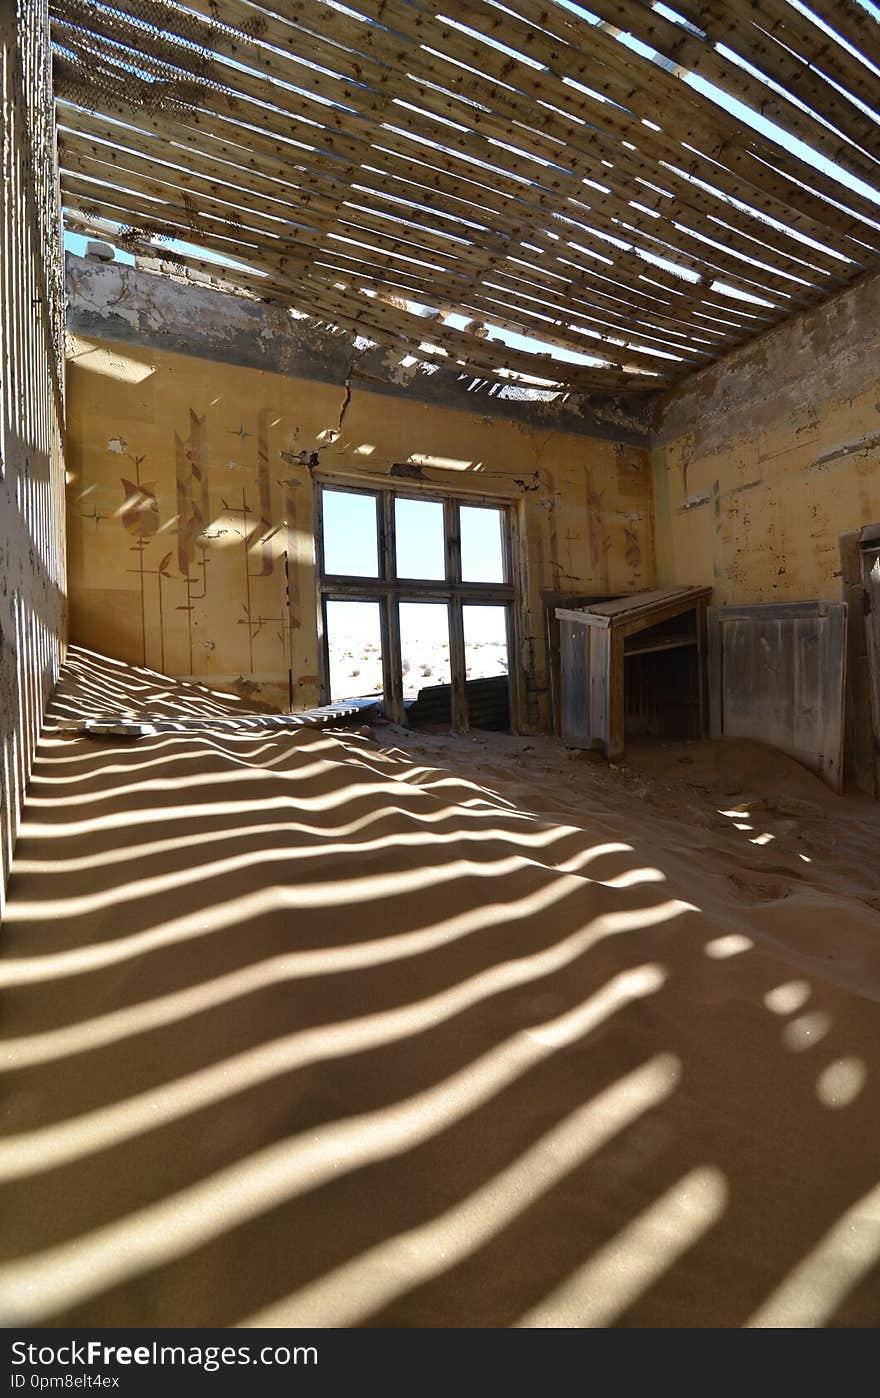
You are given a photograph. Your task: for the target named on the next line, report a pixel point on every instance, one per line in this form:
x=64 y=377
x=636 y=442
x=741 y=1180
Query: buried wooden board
x=776 y=675
x=343 y=714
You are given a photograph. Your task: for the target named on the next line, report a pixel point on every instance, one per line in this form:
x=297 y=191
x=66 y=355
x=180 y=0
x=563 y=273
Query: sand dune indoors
x=412 y=1030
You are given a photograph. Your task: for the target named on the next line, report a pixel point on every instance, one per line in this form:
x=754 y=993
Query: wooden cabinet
x=633 y=664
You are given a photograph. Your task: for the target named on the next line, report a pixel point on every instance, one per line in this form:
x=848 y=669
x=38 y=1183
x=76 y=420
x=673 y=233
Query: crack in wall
x=346 y=400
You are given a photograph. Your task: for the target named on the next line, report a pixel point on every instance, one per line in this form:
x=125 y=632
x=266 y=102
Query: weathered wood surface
x=553 y=603
x=861 y=727
x=778 y=677
x=592 y=653
x=632 y=608
x=518 y=164
x=578 y=700
x=870 y=559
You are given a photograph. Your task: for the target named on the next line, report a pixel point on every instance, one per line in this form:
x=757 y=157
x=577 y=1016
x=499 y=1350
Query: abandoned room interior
x=440 y=663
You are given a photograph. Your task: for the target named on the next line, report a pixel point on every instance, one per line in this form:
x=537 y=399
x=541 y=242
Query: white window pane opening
x=486 y=663
x=420 y=539
x=354 y=644
x=485 y=641
x=482 y=544
x=350 y=535
x=424 y=646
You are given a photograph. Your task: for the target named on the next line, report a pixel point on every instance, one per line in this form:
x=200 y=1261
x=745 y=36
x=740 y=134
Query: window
x=482 y=544
x=354 y=646
x=416 y=597
x=420 y=538
x=485 y=641
x=424 y=646
x=350 y=541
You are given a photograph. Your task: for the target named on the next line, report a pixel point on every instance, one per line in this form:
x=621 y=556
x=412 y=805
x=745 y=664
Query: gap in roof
x=742 y=112
x=833 y=34
x=735 y=242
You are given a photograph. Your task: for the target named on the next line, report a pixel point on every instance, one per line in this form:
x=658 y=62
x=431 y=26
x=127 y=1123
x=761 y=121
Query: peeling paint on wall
x=229 y=453
x=781 y=440
x=112 y=301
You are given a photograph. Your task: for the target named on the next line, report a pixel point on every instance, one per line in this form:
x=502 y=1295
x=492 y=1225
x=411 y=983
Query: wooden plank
x=870 y=568
x=855 y=23
x=575 y=665
x=783 y=44
x=786 y=611
x=802 y=37
x=702 y=57
x=584 y=617
x=861 y=757
x=553 y=601
x=715 y=671
x=612 y=641
x=777 y=678
x=834 y=653
x=598 y=687
x=809 y=699
x=628 y=608
x=565 y=196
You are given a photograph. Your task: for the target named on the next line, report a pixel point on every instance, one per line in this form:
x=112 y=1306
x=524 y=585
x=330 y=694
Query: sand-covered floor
x=410 y=1030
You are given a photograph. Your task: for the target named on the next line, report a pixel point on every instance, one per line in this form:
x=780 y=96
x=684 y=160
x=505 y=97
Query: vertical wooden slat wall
x=32 y=571
x=777 y=674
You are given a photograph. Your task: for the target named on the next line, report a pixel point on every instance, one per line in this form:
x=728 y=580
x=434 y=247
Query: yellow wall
x=763 y=461
x=167 y=452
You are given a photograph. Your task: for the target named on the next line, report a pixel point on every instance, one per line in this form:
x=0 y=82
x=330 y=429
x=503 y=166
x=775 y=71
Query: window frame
x=389 y=590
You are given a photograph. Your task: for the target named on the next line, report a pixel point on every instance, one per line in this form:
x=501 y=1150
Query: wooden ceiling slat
x=567 y=312
x=484 y=354
x=578 y=279
x=267 y=177
x=313 y=216
x=374 y=314
x=798 y=32
x=856 y=24
x=618 y=204
x=784 y=45
x=490 y=60
x=433 y=283
x=624 y=127
x=400 y=152
x=414 y=123
x=730 y=266
x=221 y=138
x=164 y=217
x=640 y=308
x=653 y=92
x=665 y=357
x=702 y=57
